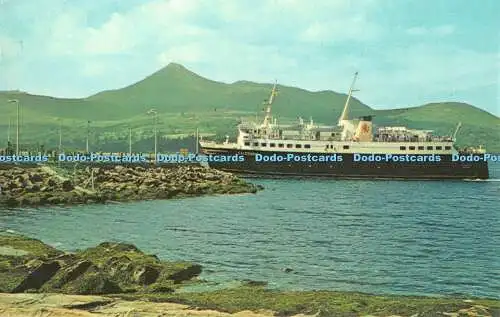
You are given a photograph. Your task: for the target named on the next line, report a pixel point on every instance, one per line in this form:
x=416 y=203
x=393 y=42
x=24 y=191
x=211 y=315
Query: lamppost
x=17 y=125
x=8 y=132
x=197 y=137
x=60 y=135
x=129 y=141
x=155 y=118
x=88 y=133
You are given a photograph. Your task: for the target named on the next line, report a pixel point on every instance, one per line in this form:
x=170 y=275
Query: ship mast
x=343 y=116
x=267 y=118
x=454 y=137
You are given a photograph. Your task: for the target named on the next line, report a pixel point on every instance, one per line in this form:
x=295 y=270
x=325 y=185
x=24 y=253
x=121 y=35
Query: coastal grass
x=323 y=303
x=14 y=249
x=20 y=245
x=101 y=253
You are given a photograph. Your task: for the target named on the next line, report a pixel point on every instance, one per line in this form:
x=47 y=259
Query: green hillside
x=185 y=101
x=175 y=89
x=478 y=126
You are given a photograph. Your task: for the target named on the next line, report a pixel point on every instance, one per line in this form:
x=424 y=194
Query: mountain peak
x=175 y=69
x=175 y=66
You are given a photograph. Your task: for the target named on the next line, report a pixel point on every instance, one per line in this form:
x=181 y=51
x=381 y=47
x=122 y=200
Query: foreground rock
x=58 y=305
x=28 y=265
x=41 y=185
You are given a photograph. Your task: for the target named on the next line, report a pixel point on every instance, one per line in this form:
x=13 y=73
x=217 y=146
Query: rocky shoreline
x=118 y=279
x=29 y=265
x=34 y=185
x=60 y=305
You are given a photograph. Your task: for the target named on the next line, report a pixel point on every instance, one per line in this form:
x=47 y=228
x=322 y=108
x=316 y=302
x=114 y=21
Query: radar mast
x=274 y=92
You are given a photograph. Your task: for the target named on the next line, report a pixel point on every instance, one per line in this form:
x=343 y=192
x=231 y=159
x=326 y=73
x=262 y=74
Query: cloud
x=224 y=60
x=335 y=31
x=430 y=73
x=444 y=30
x=317 y=21
x=114 y=36
x=175 y=22
x=439 y=30
x=248 y=35
x=94 y=69
x=312 y=44
x=9 y=48
x=190 y=53
x=122 y=31
x=441 y=64
x=71 y=36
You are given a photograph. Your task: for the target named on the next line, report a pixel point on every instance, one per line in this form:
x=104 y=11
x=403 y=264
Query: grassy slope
x=478 y=126
x=322 y=303
x=185 y=101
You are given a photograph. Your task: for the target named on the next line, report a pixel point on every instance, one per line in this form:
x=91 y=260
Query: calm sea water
x=401 y=237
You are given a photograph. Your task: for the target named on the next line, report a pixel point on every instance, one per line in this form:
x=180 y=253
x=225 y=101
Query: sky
x=407 y=52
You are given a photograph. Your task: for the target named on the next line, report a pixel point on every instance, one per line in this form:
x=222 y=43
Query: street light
x=197 y=137
x=17 y=125
x=155 y=118
x=129 y=141
x=88 y=133
x=8 y=132
x=60 y=135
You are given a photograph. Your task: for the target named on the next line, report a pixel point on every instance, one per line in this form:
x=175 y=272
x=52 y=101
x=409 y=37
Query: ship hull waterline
x=347 y=168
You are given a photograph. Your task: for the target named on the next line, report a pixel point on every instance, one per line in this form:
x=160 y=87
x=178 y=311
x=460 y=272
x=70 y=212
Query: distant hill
x=174 y=89
x=185 y=101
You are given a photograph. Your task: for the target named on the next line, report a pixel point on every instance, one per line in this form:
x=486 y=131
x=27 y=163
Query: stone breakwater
x=44 y=185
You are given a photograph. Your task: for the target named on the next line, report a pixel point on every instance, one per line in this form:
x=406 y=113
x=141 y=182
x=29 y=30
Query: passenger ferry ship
x=348 y=140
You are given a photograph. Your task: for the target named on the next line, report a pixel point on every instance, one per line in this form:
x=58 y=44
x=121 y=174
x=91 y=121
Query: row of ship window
x=438 y=148
x=345 y=147
x=288 y=146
